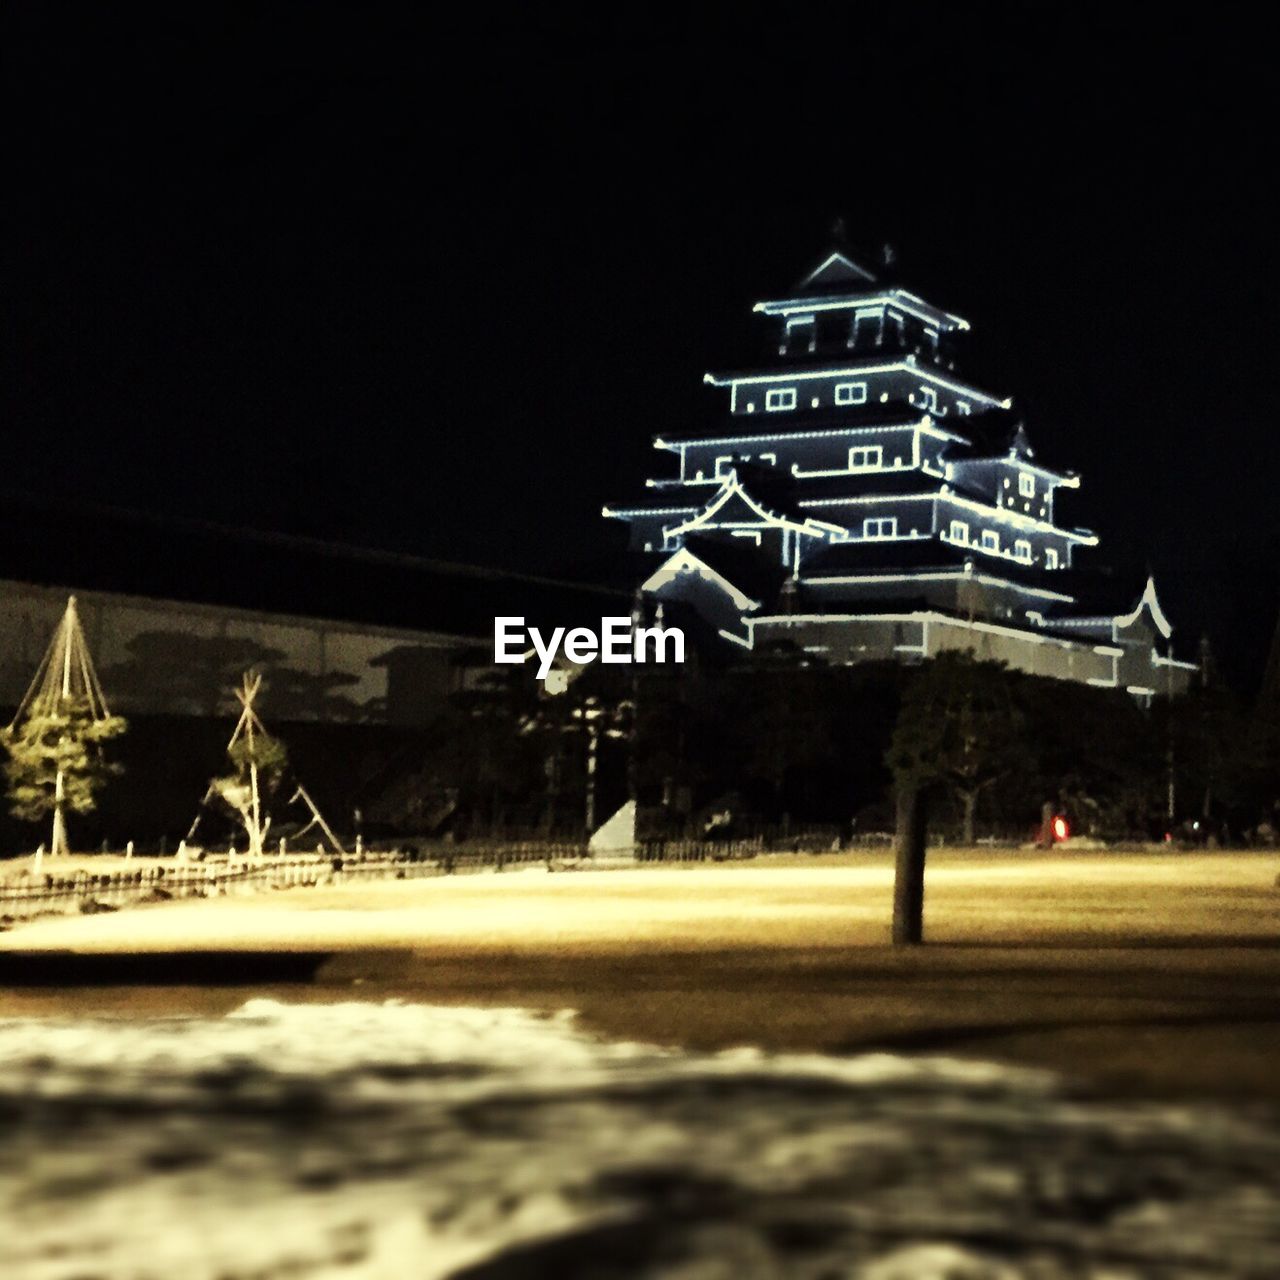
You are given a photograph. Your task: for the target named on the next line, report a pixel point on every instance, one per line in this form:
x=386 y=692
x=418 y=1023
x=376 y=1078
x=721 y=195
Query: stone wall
x=162 y=657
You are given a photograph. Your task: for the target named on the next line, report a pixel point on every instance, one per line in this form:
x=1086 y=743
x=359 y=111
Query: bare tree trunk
x=908 y=881
x=1045 y=839
x=255 y=826
x=58 y=841
x=967 y=832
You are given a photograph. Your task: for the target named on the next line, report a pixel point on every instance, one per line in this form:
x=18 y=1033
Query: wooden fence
x=808 y=840
x=216 y=876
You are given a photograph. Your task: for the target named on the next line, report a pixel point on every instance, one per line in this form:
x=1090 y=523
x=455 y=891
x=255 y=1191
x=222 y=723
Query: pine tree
x=55 y=758
x=258 y=761
x=54 y=744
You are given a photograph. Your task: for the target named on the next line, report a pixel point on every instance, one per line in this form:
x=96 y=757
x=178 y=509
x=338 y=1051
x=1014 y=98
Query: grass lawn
x=1156 y=973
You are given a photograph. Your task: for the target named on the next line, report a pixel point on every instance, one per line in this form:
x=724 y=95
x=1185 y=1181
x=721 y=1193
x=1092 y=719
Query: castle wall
x=923 y=387
x=162 y=657
x=913 y=637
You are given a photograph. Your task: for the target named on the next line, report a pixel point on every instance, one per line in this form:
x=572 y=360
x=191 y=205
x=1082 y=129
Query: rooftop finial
x=888 y=255
x=838 y=233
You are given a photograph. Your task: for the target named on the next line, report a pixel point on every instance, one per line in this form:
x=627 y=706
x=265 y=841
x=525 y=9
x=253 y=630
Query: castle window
x=866 y=331
x=1026 y=484
x=851 y=393
x=770 y=458
x=802 y=335
x=1022 y=551
x=782 y=399
x=929 y=398
x=724 y=465
x=1050 y=558
x=964 y=408
x=884 y=527
x=990 y=540
x=865 y=458
x=960 y=532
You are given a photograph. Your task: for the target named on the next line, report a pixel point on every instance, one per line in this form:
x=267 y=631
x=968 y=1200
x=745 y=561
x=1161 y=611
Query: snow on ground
x=363 y=1141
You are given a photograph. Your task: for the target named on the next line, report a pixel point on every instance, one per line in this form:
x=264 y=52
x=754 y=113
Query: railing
x=87 y=892
x=809 y=840
x=698 y=850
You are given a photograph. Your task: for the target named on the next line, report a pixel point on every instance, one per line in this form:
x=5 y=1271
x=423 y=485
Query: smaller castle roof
x=837 y=272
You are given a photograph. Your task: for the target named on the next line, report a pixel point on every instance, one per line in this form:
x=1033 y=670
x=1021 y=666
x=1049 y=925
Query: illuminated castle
x=862 y=500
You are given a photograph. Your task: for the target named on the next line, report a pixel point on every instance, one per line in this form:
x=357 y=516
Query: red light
x=1060 y=829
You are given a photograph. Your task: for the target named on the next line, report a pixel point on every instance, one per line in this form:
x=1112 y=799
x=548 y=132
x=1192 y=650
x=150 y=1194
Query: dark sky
x=433 y=286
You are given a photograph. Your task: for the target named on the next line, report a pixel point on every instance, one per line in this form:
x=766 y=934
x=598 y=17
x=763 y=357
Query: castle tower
x=860 y=498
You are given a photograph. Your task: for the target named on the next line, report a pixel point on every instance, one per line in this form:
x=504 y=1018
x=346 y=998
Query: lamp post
x=598 y=721
x=590 y=713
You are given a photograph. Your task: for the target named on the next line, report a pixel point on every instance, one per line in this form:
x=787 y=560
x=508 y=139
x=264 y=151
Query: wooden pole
x=58 y=842
x=320 y=822
x=255 y=831
x=593 y=753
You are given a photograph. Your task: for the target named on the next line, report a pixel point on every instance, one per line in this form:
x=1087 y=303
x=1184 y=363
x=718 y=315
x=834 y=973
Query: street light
x=598 y=721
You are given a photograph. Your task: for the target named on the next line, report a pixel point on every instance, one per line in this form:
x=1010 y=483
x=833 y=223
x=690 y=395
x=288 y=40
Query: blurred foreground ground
x=1150 y=974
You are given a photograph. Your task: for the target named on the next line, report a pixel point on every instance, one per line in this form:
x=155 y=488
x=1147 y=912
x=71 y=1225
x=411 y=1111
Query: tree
x=56 y=763
x=54 y=744
x=960 y=725
x=1098 y=754
x=788 y=722
x=258 y=760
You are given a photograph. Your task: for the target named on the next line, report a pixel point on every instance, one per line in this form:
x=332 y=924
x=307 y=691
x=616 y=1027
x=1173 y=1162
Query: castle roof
x=1103 y=599
x=757 y=576
x=855 y=366
x=837 y=272
x=831 y=420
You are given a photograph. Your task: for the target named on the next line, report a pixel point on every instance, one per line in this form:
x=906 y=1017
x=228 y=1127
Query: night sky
x=433 y=287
